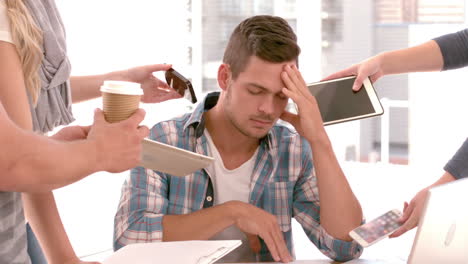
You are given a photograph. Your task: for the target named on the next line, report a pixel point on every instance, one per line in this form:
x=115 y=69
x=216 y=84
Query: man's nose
x=267 y=105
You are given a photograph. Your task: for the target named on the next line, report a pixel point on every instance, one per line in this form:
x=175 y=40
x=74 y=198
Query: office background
x=387 y=159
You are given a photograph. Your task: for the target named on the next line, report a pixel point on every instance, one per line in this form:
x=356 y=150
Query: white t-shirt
x=231 y=185
x=5 y=34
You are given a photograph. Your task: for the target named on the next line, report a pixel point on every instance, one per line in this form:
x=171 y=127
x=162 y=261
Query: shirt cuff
x=339 y=250
x=144 y=230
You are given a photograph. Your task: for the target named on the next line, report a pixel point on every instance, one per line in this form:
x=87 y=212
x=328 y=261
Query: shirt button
x=209 y=198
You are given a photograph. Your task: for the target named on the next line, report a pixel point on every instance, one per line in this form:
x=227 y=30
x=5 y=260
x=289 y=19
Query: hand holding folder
x=169 y=159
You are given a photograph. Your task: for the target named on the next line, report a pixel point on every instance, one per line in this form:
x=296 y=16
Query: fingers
x=288 y=91
x=135 y=119
x=271 y=246
x=281 y=245
x=86 y=129
x=143 y=131
x=158 y=67
x=405 y=205
x=358 y=82
x=275 y=242
x=353 y=70
x=409 y=219
x=300 y=86
x=254 y=242
x=293 y=80
x=410 y=224
x=292 y=89
x=98 y=116
x=164 y=86
x=400 y=231
x=343 y=73
x=407 y=212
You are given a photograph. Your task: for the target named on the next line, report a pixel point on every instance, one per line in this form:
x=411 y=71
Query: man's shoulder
x=169 y=128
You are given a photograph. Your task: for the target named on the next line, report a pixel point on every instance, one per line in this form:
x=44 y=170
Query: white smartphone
x=377 y=229
x=339 y=103
x=169 y=159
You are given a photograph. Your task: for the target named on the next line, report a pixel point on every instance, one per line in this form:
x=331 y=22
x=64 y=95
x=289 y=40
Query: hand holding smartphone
x=377 y=229
x=180 y=84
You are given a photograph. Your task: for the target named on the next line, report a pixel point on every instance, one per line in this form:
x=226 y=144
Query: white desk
x=390 y=260
x=356 y=261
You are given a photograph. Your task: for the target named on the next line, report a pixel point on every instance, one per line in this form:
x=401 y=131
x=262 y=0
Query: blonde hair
x=28 y=39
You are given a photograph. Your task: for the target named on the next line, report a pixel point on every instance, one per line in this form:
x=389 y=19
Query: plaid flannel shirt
x=283 y=184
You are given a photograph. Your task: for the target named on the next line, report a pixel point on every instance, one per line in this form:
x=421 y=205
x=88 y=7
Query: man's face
x=254 y=101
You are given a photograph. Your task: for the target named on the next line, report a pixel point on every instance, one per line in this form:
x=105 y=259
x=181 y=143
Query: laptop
x=442 y=235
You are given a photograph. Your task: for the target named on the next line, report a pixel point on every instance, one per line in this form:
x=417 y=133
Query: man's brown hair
x=270 y=38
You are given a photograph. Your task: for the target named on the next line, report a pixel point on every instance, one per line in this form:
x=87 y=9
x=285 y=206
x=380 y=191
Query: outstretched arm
x=424 y=57
x=155 y=90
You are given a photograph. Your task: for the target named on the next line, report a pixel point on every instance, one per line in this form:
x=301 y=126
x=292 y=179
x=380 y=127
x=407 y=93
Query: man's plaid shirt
x=283 y=184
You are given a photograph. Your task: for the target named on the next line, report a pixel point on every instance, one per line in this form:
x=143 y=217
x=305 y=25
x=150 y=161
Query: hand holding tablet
x=339 y=103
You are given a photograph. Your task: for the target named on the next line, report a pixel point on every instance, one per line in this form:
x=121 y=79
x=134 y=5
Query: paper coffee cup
x=120 y=99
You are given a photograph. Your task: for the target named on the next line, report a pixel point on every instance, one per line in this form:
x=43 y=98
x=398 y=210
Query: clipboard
x=169 y=159
x=187 y=252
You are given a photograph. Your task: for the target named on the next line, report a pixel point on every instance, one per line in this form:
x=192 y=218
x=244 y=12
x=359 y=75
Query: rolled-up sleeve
x=454 y=49
x=143 y=204
x=307 y=213
x=458 y=165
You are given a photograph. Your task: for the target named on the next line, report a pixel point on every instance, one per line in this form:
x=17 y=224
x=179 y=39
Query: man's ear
x=224 y=76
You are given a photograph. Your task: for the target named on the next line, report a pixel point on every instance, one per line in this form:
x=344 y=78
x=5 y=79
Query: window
x=219 y=18
x=420 y=11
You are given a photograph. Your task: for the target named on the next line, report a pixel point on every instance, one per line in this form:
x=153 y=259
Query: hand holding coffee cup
x=120 y=99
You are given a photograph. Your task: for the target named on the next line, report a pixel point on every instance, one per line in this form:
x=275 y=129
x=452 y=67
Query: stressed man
x=264 y=173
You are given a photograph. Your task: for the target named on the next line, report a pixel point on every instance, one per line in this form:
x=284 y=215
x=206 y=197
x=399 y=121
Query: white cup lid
x=121 y=87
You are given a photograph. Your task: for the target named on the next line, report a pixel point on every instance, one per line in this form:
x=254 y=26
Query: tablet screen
x=338 y=101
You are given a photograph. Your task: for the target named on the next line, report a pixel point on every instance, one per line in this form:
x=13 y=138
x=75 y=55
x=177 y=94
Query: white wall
x=439 y=111
x=356 y=45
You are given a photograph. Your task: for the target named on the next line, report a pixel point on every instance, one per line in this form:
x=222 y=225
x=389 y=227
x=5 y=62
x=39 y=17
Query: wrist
x=446 y=178
x=233 y=210
x=380 y=62
x=318 y=138
x=95 y=155
x=66 y=255
x=116 y=76
x=71 y=260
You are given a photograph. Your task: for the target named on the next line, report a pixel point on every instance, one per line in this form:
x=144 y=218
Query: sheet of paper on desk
x=187 y=252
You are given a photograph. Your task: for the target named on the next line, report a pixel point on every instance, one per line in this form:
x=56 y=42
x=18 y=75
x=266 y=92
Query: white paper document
x=183 y=252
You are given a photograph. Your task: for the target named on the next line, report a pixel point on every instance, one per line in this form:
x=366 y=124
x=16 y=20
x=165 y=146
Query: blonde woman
x=36 y=90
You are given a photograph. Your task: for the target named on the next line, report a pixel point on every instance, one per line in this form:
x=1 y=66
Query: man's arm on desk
x=143 y=217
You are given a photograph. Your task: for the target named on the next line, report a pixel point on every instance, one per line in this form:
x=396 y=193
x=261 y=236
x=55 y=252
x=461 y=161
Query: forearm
x=340 y=211
x=199 y=225
x=87 y=87
x=421 y=58
x=446 y=178
x=49 y=163
x=42 y=214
